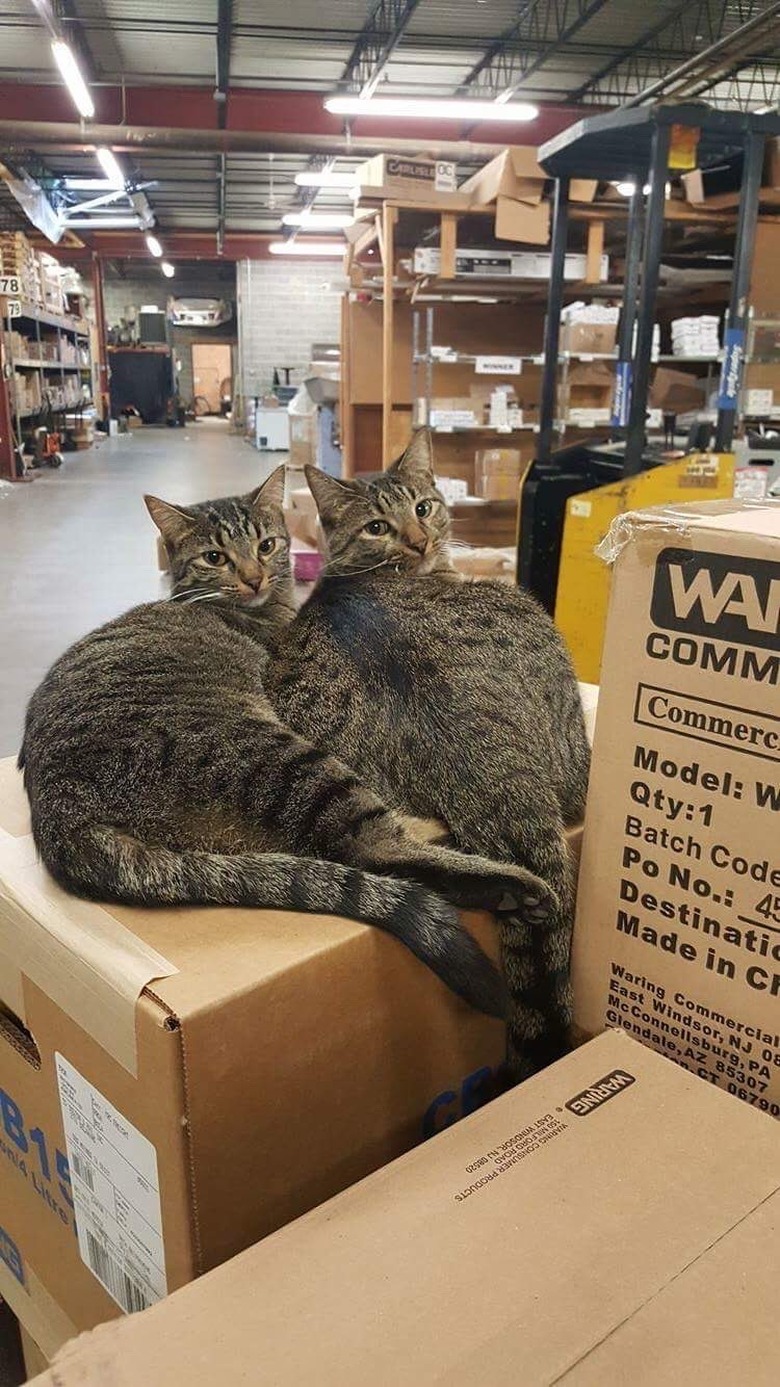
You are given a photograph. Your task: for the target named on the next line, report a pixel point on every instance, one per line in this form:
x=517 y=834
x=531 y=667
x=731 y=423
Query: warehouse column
x=102 y=340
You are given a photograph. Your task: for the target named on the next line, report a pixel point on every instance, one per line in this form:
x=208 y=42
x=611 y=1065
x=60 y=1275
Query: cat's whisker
x=352 y=571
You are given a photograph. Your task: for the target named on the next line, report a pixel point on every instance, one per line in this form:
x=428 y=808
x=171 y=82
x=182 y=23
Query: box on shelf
x=407 y=179
x=196 y=1038
x=525 y=222
x=495 y=263
x=676 y=392
x=497 y=473
x=449 y=412
x=678 y=912
x=514 y=173
x=588 y=339
x=479 y=561
x=590 y=386
x=623 y=1216
x=759 y=403
x=452 y=489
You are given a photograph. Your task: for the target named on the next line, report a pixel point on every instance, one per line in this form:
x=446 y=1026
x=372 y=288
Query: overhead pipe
x=72 y=137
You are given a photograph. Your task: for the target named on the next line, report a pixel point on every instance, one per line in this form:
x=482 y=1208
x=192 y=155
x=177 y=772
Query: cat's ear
x=271 y=492
x=417 y=462
x=173 y=522
x=331 y=496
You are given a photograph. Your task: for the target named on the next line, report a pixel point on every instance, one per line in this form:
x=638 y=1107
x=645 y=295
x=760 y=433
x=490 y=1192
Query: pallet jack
x=569 y=498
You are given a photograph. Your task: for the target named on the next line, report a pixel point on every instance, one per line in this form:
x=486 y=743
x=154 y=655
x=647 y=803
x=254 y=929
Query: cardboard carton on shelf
x=676 y=392
x=514 y=173
x=611 y=1221
x=677 y=935
x=588 y=339
x=408 y=179
x=591 y=384
x=497 y=473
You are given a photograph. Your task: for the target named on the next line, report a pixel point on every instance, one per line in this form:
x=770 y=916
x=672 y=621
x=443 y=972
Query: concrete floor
x=77 y=546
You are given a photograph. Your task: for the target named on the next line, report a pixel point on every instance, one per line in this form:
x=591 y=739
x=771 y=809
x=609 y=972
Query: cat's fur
x=158 y=772
x=453 y=699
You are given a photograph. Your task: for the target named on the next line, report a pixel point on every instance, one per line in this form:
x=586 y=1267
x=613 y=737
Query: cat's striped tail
x=106 y=864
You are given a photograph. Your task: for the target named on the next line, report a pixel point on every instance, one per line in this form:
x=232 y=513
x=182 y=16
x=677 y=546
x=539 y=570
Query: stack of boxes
x=589 y=329
x=17 y=257
x=695 y=337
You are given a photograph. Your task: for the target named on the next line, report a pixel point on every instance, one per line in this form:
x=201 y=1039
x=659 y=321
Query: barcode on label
x=114 y=1277
x=84 y=1170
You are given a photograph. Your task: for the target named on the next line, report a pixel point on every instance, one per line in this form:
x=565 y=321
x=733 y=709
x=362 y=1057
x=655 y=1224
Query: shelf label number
x=10 y=284
x=13 y=308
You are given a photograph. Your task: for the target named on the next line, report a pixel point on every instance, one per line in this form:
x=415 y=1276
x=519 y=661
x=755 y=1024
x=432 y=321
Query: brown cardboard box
x=676 y=392
x=246 y=1064
x=588 y=339
x=678 y=918
x=611 y=1221
x=410 y=179
x=303 y=440
x=522 y=221
x=591 y=385
x=497 y=473
x=514 y=173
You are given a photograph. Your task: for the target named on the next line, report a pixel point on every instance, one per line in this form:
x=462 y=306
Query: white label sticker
x=13 y=308
x=582 y=508
x=116 y=1194
x=10 y=284
x=498 y=365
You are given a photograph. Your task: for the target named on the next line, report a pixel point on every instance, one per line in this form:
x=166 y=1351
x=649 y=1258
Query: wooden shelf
x=25 y=364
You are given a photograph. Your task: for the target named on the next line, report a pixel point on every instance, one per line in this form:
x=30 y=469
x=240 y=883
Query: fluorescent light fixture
x=71 y=75
x=153 y=246
x=87 y=185
x=319 y=221
x=167 y=269
x=110 y=166
x=102 y=223
x=422 y=108
x=327 y=179
x=323 y=248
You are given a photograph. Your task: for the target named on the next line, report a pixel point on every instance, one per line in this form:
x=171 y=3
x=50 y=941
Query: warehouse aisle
x=79 y=548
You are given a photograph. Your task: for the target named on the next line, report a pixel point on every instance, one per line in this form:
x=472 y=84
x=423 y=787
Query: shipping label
x=115 y=1193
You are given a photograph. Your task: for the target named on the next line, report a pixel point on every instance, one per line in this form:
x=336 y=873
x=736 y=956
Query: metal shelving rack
x=67 y=329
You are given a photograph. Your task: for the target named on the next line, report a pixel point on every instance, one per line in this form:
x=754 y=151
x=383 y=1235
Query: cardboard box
x=521 y=221
x=247 y=1064
x=676 y=392
x=609 y=1222
x=588 y=339
x=303 y=439
x=497 y=473
x=408 y=179
x=591 y=385
x=514 y=173
x=678 y=919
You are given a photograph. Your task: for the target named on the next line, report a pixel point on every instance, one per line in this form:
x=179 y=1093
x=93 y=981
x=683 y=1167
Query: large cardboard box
x=514 y=173
x=497 y=473
x=409 y=179
x=610 y=1222
x=186 y=1081
x=678 y=918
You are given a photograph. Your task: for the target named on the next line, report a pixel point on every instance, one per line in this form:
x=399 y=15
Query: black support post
x=552 y=327
x=625 y=341
x=651 y=264
x=736 y=327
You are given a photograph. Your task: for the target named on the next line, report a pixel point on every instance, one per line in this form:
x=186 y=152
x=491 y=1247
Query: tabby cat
x=453 y=699
x=158 y=773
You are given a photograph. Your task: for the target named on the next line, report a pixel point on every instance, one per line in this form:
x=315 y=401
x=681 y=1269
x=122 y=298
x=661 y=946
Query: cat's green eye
x=423 y=508
x=215 y=557
x=266 y=546
x=377 y=527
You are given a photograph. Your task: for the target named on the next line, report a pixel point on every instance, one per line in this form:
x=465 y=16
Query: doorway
x=212 y=364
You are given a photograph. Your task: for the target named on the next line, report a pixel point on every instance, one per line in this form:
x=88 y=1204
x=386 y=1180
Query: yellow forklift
x=570 y=497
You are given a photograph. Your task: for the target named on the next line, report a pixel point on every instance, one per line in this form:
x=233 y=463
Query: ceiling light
x=71 y=75
x=110 y=166
x=335 y=248
x=86 y=185
x=319 y=221
x=422 y=108
x=327 y=179
x=167 y=269
x=153 y=246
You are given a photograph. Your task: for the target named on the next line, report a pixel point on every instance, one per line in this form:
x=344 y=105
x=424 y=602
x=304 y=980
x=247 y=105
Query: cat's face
x=398 y=521
x=235 y=550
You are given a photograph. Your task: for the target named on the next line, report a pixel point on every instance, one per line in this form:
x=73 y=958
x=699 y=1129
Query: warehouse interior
x=395 y=387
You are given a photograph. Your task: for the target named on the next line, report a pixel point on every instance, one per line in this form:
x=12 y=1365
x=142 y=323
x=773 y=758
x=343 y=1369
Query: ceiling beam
x=376 y=43
x=687 y=29
x=224 y=44
x=539 y=31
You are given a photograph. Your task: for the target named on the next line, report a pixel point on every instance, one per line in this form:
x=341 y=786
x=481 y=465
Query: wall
x=200 y=281
x=284 y=307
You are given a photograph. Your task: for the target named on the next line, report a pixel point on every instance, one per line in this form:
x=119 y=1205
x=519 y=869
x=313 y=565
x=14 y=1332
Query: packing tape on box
x=84 y=959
